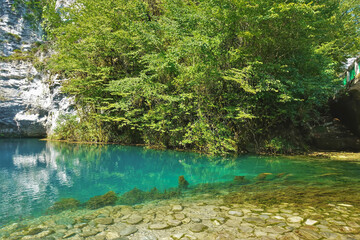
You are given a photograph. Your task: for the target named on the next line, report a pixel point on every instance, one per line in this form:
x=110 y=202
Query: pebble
x=196 y=220
x=174 y=223
x=308 y=234
x=236 y=213
x=345 y=205
x=134 y=219
x=177 y=208
x=177 y=236
x=257 y=210
x=104 y=221
x=196 y=228
x=295 y=219
x=218 y=220
x=311 y=222
x=89 y=233
x=158 y=226
x=255 y=220
x=179 y=216
x=128 y=231
x=245 y=229
x=112 y=236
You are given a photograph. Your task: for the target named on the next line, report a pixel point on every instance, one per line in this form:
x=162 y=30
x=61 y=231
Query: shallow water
x=34 y=174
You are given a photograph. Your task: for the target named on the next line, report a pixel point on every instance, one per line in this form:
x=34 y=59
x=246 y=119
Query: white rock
x=345 y=205
x=310 y=222
x=236 y=213
x=112 y=235
x=177 y=236
x=295 y=219
x=177 y=208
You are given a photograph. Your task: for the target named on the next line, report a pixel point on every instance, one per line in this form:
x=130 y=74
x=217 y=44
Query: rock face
x=332 y=135
x=30 y=100
x=346 y=107
x=15 y=31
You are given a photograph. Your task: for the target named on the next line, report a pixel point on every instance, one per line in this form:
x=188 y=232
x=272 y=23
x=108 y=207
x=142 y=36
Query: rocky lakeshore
x=197 y=217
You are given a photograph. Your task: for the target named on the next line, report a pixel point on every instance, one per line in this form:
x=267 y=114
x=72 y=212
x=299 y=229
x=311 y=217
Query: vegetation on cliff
x=213 y=76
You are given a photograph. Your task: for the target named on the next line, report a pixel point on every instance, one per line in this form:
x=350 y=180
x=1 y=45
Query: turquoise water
x=34 y=174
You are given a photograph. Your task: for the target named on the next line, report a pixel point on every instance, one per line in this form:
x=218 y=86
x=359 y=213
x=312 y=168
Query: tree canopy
x=210 y=75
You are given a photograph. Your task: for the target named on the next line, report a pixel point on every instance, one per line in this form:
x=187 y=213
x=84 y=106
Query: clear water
x=34 y=174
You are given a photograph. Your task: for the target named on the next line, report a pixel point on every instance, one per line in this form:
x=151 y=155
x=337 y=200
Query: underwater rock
x=64 y=204
x=134 y=219
x=34 y=231
x=310 y=222
x=239 y=178
x=128 y=231
x=263 y=176
x=107 y=199
x=159 y=226
x=104 y=221
x=305 y=233
x=238 y=213
x=174 y=223
x=199 y=227
x=177 y=236
x=177 y=208
x=183 y=184
x=295 y=219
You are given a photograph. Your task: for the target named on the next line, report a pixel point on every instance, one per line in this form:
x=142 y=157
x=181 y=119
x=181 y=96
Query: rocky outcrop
x=15 y=31
x=332 y=135
x=30 y=100
x=346 y=107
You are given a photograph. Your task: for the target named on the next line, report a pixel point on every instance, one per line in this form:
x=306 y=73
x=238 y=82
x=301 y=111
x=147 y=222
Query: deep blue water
x=34 y=174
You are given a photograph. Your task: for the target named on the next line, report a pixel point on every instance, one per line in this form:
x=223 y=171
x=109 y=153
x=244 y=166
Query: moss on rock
x=107 y=199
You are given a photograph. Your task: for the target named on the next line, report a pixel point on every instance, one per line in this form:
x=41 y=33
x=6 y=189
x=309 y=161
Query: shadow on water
x=34 y=175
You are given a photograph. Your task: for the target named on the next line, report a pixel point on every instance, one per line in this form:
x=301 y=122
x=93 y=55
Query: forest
x=214 y=76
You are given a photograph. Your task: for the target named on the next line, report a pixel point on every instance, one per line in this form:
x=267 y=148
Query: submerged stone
x=112 y=236
x=310 y=222
x=196 y=228
x=174 y=223
x=104 y=221
x=177 y=236
x=158 y=226
x=128 y=231
x=134 y=219
x=295 y=219
x=308 y=234
x=237 y=213
x=177 y=208
x=183 y=184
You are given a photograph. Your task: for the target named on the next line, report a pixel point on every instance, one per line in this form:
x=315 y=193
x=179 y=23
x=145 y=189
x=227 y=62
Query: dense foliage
x=216 y=76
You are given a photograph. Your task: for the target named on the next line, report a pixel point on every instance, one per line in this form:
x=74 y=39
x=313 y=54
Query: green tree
x=212 y=76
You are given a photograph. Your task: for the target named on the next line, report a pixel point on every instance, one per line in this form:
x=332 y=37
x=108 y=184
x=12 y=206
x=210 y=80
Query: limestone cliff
x=30 y=100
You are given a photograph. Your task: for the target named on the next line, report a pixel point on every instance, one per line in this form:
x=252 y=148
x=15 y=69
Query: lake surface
x=34 y=174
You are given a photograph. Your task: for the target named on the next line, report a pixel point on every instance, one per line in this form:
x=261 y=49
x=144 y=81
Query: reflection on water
x=35 y=174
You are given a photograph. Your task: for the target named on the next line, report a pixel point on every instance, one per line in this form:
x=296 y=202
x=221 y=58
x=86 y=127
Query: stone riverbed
x=203 y=217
